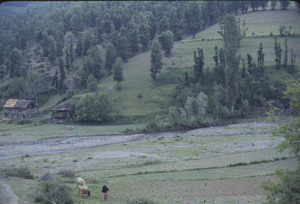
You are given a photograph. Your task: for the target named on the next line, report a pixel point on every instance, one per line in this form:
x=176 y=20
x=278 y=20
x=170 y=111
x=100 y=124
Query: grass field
x=232 y=160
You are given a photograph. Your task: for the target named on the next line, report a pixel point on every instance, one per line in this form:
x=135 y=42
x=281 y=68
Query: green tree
x=281 y=29
x=110 y=57
x=133 y=38
x=144 y=31
x=71 y=52
x=287 y=190
x=195 y=108
x=285 y=53
x=92 y=84
x=78 y=49
x=284 y=4
x=15 y=63
x=118 y=71
x=122 y=47
x=231 y=40
x=67 y=59
x=199 y=64
x=62 y=73
x=192 y=18
x=278 y=52
x=273 y=4
x=166 y=41
x=94 y=108
x=156 y=59
x=76 y=23
x=95 y=67
x=52 y=50
x=260 y=57
x=163 y=25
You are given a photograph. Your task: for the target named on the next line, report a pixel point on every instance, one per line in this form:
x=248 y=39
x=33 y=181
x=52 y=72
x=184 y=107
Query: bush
x=69 y=174
x=140 y=201
x=22 y=172
x=49 y=192
x=94 y=108
x=24 y=122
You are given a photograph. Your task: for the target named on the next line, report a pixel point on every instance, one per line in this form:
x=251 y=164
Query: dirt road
x=7 y=196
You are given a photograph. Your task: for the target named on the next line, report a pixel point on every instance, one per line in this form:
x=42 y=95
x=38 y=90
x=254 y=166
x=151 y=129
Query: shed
x=62 y=112
x=19 y=109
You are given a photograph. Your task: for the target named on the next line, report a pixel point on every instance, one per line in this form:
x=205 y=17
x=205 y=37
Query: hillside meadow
x=157 y=95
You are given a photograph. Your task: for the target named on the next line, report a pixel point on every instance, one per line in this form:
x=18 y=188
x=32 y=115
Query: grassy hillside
x=157 y=95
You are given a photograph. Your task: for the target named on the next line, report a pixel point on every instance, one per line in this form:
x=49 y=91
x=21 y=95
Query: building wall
x=19 y=113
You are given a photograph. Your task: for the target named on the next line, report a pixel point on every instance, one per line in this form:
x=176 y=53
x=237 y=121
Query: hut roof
x=17 y=103
x=63 y=107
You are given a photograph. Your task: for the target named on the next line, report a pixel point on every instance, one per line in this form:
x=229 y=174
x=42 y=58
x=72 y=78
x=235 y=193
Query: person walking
x=105 y=192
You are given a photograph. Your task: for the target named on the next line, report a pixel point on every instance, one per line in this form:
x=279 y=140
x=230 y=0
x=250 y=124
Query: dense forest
x=56 y=48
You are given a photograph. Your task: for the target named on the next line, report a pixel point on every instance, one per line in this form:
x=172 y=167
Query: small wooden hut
x=19 y=109
x=62 y=112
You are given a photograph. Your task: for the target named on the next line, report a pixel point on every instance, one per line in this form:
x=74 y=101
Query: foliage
x=94 y=108
x=287 y=191
x=192 y=18
x=118 y=71
x=110 y=57
x=22 y=172
x=140 y=201
x=49 y=192
x=156 y=59
x=199 y=64
x=166 y=41
x=231 y=38
x=92 y=84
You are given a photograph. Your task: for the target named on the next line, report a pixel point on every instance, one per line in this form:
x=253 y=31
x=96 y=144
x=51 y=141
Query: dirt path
x=7 y=196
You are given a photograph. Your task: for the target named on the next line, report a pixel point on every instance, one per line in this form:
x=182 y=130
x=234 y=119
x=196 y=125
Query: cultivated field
x=223 y=164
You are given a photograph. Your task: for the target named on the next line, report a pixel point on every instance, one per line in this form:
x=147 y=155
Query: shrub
x=67 y=173
x=140 y=201
x=47 y=177
x=94 y=108
x=53 y=192
x=22 y=172
x=24 y=122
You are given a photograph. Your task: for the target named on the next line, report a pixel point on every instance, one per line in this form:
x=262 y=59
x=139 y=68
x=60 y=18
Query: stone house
x=19 y=109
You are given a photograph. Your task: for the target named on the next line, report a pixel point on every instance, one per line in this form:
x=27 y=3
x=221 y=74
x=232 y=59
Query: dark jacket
x=104 y=189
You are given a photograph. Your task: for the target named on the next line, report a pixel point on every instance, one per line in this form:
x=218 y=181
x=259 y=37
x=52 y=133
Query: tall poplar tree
x=199 y=64
x=156 y=59
x=231 y=40
x=260 y=57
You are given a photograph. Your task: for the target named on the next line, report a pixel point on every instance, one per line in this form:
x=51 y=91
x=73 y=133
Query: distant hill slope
x=157 y=95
